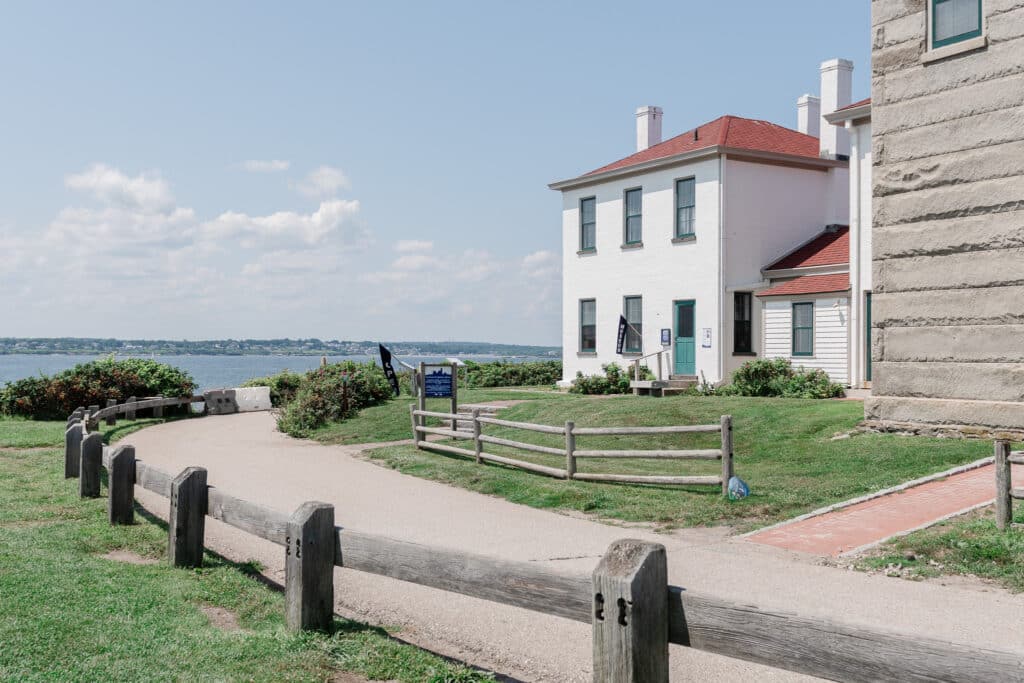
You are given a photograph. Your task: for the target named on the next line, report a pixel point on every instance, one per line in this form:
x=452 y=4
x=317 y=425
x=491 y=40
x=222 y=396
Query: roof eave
x=805 y=271
x=768 y=294
x=642 y=167
x=713 y=150
x=839 y=118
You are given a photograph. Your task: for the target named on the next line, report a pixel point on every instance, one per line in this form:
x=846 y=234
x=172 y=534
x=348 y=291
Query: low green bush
x=283 y=386
x=778 y=377
x=614 y=381
x=53 y=398
x=504 y=373
x=332 y=393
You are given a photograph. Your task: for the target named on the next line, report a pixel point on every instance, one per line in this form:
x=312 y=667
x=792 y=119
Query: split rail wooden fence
x=571 y=452
x=1005 y=492
x=634 y=613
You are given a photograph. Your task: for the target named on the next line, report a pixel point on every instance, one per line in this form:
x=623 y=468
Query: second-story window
x=588 y=224
x=634 y=216
x=634 y=312
x=685 y=206
x=954 y=21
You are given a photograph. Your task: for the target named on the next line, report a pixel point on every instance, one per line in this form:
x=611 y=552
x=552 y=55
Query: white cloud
x=541 y=265
x=323 y=182
x=412 y=262
x=265 y=165
x=405 y=246
x=146 y=192
x=332 y=218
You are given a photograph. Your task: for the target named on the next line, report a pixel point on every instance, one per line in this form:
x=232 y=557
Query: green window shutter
x=685 y=206
x=742 y=317
x=588 y=224
x=803 y=329
x=954 y=21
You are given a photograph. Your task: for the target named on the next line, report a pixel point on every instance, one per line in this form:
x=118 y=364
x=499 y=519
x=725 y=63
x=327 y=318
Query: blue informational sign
x=666 y=337
x=437 y=381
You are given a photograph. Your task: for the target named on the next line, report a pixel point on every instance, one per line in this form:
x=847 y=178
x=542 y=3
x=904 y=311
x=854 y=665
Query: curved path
x=247 y=457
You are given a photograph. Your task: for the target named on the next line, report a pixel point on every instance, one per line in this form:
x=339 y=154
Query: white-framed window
x=588 y=325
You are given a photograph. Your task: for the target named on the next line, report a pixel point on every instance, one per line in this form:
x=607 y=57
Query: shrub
x=507 y=374
x=777 y=377
x=762 y=377
x=53 y=398
x=332 y=393
x=614 y=381
x=283 y=386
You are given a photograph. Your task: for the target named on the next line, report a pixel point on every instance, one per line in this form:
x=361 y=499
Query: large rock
x=244 y=400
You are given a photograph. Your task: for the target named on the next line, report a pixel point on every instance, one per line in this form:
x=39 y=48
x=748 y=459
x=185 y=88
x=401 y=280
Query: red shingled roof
x=827 y=249
x=855 y=104
x=726 y=131
x=810 y=284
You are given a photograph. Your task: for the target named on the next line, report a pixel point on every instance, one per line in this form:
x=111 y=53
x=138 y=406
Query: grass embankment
x=390 y=421
x=969 y=545
x=783 y=451
x=68 y=613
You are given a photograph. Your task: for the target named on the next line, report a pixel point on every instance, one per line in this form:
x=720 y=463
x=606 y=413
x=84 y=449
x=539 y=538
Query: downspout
x=853 y=335
x=721 y=268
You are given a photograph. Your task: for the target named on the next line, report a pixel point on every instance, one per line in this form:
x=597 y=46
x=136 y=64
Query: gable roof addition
x=830 y=248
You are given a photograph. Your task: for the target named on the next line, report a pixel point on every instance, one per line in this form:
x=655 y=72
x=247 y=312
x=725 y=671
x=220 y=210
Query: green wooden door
x=686 y=339
x=867 y=336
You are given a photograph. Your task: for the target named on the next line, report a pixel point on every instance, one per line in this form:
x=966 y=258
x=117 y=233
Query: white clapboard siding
x=830 y=335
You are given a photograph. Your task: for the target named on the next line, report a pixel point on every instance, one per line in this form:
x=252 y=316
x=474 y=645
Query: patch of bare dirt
x=128 y=557
x=221 y=618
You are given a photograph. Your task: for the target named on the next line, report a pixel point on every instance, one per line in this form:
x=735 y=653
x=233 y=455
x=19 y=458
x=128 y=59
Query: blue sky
x=348 y=170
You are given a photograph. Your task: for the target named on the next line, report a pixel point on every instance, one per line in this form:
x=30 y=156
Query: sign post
x=440 y=380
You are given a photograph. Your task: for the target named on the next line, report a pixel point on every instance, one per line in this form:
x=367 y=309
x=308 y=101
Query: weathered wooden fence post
x=1004 y=486
x=121 y=485
x=73 y=448
x=570 y=449
x=158 y=411
x=309 y=568
x=90 y=461
x=129 y=414
x=630 y=618
x=112 y=418
x=478 y=445
x=91 y=422
x=186 y=524
x=726 y=453
x=415 y=424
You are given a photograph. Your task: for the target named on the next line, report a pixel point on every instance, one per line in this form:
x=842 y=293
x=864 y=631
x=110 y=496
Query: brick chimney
x=648 y=127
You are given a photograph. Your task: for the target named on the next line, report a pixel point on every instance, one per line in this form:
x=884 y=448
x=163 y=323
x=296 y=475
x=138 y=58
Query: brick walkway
x=848 y=529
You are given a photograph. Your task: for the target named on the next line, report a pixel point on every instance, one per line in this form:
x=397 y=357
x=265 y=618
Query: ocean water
x=210 y=372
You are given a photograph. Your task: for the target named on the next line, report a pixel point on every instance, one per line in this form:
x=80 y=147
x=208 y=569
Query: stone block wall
x=948 y=213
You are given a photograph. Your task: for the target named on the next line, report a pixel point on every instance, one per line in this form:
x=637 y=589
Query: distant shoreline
x=87 y=346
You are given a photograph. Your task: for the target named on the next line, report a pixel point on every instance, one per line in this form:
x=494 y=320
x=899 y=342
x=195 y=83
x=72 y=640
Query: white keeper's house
x=727 y=242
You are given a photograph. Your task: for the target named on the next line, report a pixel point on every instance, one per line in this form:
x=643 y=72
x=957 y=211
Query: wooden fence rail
x=634 y=613
x=570 y=451
x=1005 y=493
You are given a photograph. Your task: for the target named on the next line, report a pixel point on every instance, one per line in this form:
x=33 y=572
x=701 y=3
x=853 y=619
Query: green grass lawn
x=964 y=545
x=783 y=451
x=68 y=613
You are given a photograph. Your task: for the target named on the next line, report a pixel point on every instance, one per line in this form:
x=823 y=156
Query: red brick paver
x=846 y=529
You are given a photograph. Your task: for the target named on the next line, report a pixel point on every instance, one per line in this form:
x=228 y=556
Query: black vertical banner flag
x=389 y=370
x=621 y=339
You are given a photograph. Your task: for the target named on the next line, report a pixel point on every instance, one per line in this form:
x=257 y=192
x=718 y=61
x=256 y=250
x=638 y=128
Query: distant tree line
x=241 y=347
